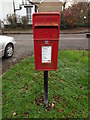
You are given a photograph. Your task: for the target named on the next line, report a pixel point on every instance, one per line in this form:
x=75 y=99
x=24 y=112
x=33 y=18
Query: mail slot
x=46 y=28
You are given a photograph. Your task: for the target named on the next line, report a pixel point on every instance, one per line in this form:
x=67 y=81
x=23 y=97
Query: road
x=73 y=41
x=24 y=46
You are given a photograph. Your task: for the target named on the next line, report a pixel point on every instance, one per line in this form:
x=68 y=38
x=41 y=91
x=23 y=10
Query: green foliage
x=22 y=85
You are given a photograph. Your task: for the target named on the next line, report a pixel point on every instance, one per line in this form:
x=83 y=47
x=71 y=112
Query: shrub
x=12 y=19
x=24 y=21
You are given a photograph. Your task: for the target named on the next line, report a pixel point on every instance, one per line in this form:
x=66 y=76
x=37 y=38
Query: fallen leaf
x=60 y=80
x=39 y=101
x=80 y=87
x=60 y=110
x=26 y=114
x=63 y=99
x=72 y=114
x=57 y=98
x=26 y=88
x=75 y=109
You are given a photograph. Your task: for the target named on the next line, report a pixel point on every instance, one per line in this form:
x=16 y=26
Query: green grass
x=21 y=85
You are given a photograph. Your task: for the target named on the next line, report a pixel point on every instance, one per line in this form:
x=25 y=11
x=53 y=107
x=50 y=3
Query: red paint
x=46 y=27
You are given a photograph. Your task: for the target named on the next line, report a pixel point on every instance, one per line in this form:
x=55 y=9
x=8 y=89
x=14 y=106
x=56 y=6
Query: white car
x=6 y=46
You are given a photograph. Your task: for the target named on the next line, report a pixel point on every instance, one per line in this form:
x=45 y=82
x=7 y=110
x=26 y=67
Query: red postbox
x=46 y=28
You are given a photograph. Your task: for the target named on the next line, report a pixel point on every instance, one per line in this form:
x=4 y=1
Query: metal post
x=45 y=87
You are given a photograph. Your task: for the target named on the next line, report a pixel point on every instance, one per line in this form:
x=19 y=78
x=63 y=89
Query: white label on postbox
x=46 y=54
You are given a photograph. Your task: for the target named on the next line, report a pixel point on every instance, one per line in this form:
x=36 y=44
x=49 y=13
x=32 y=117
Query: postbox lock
x=46 y=41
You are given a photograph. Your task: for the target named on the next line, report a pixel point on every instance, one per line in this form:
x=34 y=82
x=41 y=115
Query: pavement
x=66 y=31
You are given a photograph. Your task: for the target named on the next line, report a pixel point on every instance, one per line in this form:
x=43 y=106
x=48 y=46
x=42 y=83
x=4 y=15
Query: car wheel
x=9 y=50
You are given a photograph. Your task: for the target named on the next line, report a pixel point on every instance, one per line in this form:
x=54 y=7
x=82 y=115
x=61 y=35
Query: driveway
x=24 y=46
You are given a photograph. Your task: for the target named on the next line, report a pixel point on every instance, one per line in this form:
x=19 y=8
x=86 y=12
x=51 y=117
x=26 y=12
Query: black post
x=45 y=87
x=14 y=7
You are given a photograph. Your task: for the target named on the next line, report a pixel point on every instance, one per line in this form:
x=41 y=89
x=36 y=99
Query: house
x=48 y=5
x=18 y=7
x=5 y=8
x=27 y=8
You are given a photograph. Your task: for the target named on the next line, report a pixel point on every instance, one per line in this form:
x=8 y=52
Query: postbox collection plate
x=46 y=54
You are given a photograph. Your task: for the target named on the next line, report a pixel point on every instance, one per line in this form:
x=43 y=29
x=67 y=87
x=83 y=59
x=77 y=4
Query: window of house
x=29 y=14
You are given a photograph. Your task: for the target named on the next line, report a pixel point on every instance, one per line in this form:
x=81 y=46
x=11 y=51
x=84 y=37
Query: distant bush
x=1 y=27
x=24 y=21
x=17 y=21
x=12 y=19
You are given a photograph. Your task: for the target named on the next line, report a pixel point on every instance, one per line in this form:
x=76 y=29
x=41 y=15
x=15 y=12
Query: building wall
x=23 y=12
x=6 y=7
x=1 y=17
x=50 y=7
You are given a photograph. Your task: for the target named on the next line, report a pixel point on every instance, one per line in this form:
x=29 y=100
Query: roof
x=40 y=1
x=52 y=0
x=35 y=1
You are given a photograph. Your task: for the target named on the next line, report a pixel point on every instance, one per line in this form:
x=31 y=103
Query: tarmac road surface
x=24 y=46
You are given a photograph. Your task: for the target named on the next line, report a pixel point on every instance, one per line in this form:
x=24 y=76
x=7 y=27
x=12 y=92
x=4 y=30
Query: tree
x=64 y=4
x=75 y=15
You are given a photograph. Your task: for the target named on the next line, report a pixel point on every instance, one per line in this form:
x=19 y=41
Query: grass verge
x=23 y=89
